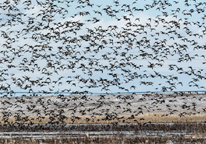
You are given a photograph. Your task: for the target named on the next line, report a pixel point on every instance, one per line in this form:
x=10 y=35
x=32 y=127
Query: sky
x=69 y=9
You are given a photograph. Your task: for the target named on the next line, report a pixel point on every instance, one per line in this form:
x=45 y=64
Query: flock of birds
x=65 y=43
x=99 y=108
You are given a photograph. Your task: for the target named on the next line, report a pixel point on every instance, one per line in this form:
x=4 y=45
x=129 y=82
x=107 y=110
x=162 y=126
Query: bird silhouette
x=53 y=49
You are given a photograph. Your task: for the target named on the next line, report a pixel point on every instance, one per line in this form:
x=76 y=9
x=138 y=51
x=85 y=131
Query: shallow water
x=102 y=134
x=96 y=93
x=46 y=134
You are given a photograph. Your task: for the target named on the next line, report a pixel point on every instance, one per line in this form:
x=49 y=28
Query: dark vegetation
x=186 y=127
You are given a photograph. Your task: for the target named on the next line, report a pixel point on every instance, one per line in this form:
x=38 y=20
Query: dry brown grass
x=153 y=118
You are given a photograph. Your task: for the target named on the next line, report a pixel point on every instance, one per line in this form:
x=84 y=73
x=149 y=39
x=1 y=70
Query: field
x=131 y=118
x=132 y=108
x=149 y=118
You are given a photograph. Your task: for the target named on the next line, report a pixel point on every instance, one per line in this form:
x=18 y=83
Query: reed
x=115 y=139
x=151 y=118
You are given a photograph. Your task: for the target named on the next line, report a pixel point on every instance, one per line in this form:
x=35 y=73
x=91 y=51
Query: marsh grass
x=187 y=123
x=198 y=133
x=153 y=118
x=116 y=139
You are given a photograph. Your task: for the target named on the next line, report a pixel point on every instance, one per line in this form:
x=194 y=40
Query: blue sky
x=105 y=22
